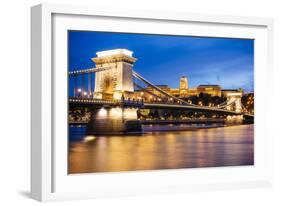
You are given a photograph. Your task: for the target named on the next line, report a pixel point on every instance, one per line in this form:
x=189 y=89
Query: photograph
x=142 y=102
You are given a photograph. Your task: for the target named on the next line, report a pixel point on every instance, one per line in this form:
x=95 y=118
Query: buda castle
x=183 y=91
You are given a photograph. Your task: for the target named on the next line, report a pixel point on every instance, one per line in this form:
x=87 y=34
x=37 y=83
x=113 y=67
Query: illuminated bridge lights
x=106 y=102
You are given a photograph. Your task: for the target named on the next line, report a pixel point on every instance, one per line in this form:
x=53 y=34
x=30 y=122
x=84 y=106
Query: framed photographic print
x=135 y=102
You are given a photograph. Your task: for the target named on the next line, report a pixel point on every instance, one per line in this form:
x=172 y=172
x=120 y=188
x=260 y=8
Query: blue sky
x=164 y=59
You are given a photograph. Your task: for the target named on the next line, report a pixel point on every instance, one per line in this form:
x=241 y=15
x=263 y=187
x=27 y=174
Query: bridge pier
x=114 y=120
x=248 y=119
x=234 y=119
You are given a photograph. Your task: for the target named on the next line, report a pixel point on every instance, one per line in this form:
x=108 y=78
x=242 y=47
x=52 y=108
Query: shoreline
x=175 y=129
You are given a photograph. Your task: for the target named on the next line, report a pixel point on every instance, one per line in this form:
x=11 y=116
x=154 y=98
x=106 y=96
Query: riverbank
x=167 y=125
x=185 y=121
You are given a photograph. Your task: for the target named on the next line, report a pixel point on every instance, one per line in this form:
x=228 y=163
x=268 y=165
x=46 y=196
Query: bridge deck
x=188 y=107
x=151 y=105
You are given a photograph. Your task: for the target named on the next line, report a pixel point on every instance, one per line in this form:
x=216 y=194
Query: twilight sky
x=164 y=59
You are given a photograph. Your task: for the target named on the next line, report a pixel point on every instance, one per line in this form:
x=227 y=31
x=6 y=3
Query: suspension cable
x=135 y=74
x=144 y=90
x=228 y=104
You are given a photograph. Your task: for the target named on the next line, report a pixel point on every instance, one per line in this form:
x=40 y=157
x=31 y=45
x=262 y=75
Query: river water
x=210 y=147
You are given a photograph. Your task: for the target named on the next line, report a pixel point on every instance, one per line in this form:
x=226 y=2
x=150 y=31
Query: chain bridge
x=114 y=99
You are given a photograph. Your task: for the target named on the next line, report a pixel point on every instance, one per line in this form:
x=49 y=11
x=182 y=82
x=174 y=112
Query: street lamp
x=79 y=90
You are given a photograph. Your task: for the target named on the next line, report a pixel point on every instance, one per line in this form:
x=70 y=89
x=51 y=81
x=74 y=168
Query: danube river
x=154 y=149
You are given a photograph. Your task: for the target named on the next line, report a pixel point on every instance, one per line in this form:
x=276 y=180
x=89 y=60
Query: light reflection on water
x=224 y=146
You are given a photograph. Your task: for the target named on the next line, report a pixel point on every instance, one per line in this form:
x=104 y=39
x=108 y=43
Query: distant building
x=151 y=94
x=211 y=89
x=192 y=92
x=183 y=82
x=183 y=90
x=164 y=88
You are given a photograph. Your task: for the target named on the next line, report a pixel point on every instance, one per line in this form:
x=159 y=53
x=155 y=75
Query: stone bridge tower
x=115 y=76
x=236 y=99
x=113 y=80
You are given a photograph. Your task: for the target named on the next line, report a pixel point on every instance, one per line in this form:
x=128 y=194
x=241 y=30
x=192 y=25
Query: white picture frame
x=49 y=180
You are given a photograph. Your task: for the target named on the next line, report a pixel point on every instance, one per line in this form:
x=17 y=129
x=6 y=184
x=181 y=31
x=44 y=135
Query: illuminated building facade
x=213 y=90
x=183 y=90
